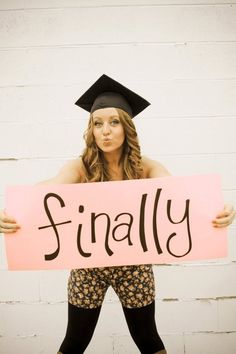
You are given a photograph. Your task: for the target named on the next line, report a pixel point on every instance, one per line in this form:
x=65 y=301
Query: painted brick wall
x=181 y=55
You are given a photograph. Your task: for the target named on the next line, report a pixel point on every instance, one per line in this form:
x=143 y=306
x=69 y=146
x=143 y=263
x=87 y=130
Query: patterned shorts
x=134 y=285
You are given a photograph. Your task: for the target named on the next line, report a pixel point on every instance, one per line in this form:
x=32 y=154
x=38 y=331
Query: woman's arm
x=225 y=217
x=71 y=172
x=153 y=169
x=8 y=225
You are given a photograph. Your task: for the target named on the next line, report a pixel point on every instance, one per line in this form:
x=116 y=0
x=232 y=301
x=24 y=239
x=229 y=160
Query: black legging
x=142 y=327
x=82 y=323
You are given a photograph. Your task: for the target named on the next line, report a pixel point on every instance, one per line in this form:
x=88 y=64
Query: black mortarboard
x=106 y=92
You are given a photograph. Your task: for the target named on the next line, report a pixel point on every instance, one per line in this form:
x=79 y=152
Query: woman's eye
x=98 y=124
x=115 y=122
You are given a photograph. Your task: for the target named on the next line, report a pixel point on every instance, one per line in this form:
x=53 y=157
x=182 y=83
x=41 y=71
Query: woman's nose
x=106 y=129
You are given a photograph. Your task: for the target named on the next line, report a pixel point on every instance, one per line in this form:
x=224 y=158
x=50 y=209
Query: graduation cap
x=106 y=92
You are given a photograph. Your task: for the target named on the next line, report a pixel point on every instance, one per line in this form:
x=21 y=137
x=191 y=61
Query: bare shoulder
x=71 y=172
x=153 y=169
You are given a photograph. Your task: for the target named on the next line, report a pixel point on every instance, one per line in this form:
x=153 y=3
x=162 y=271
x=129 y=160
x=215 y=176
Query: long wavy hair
x=95 y=166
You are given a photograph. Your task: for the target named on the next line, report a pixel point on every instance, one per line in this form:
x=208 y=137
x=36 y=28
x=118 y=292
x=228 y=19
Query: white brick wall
x=181 y=55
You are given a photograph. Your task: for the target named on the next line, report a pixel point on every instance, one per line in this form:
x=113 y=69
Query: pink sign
x=148 y=221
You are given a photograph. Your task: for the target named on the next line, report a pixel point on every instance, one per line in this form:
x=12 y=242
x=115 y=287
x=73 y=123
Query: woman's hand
x=8 y=225
x=225 y=217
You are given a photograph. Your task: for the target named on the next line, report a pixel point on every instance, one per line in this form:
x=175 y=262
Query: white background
x=179 y=55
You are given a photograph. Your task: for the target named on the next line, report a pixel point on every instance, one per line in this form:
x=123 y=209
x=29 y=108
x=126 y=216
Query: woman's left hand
x=225 y=217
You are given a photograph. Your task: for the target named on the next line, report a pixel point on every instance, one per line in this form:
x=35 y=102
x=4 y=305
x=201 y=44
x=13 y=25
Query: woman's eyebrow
x=113 y=116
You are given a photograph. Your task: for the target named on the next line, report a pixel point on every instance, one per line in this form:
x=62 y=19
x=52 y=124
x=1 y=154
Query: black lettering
x=186 y=216
x=142 y=223
x=84 y=254
x=93 y=232
x=123 y=224
x=154 y=222
x=50 y=257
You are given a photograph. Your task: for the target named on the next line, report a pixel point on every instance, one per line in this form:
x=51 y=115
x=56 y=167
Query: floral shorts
x=134 y=285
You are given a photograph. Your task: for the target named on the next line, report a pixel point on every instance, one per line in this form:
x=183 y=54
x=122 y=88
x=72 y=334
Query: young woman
x=112 y=153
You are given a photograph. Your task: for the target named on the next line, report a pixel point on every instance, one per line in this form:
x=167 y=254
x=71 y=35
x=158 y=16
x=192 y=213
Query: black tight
x=142 y=327
x=80 y=328
x=82 y=323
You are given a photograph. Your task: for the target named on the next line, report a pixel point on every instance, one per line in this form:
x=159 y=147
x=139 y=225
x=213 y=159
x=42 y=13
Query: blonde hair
x=95 y=166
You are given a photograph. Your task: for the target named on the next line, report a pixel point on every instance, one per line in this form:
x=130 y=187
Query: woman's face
x=107 y=130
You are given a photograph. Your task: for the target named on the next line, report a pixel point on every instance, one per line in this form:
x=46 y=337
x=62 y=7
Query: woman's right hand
x=8 y=225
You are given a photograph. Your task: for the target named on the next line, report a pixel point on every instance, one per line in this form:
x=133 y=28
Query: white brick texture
x=181 y=56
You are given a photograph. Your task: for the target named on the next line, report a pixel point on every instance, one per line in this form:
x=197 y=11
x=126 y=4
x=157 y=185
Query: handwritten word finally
x=84 y=225
x=110 y=230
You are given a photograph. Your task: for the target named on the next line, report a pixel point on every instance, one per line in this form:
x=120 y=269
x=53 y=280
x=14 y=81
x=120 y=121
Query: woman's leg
x=142 y=327
x=80 y=329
